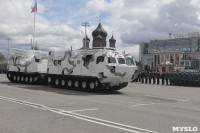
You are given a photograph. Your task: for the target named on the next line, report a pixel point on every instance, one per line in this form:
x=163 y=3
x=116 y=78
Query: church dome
x=99 y=30
x=88 y=39
x=112 y=39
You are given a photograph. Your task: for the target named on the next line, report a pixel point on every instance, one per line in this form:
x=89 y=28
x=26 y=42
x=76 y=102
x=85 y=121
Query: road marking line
x=105 y=121
x=180 y=100
x=82 y=110
x=93 y=121
x=81 y=117
x=118 y=100
x=184 y=100
x=143 y=104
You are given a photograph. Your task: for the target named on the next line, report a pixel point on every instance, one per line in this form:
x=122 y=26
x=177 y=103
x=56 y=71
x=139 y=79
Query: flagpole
x=34 y=33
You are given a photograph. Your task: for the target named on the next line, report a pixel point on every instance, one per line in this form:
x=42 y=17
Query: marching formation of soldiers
x=172 y=78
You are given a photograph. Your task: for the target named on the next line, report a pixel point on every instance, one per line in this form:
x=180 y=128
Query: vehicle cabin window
x=37 y=60
x=55 y=62
x=111 y=60
x=129 y=61
x=100 y=59
x=121 y=60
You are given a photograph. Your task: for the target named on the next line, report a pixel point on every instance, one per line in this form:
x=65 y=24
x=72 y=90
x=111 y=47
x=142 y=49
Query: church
x=99 y=38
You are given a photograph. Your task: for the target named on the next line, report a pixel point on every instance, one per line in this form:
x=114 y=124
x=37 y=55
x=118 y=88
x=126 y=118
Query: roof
x=166 y=63
x=112 y=39
x=99 y=30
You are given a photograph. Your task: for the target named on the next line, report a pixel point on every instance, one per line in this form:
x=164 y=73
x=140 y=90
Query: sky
x=58 y=22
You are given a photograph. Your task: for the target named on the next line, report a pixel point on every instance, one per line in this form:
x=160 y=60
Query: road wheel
x=97 y=84
x=9 y=75
x=69 y=83
x=22 y=78
x=63 y=83
x=18 y=78
x=15 y=78
x=26 y=79
x=35 y=79
x=76 y=84
x=92 y=85
x=83 y=84
x=31 y=80
x=49 y=79
x=56 y=82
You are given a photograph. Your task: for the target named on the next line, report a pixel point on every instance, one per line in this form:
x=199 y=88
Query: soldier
x=154 y=78
x=158 y=78
x=198 y=79
x=167 y=77
x=150 y=76
x=184 y=79
x=142 y=77
x=179 y=78
x=189 y=79
x=146 y=77
x=193 y=80
x=170 y=78
x=163 y=78
x=139 y=77
x=175 y=78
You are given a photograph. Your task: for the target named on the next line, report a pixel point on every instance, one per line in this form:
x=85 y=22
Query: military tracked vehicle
x=27 y=66
x=84 y=68
x=91 y=69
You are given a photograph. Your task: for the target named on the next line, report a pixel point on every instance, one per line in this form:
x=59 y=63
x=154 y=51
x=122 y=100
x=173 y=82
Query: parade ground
x=138 y=108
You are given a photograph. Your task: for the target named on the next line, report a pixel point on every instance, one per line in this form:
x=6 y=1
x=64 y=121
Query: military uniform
x=158 y=78
x=150 y=76
x=146 y=77
x=142 y=77
x=170 y=78
x=166 y=78
x=175 y=81
x=189 y=79
x=139 y=77
x=154 y=78
x=184 y=79
x=198 y=79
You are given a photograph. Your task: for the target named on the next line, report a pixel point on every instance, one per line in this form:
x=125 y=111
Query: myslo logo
x=184 y=129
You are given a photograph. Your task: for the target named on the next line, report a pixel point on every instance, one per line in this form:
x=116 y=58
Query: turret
x=86 y=46
x=99 y=36
x=112 y=42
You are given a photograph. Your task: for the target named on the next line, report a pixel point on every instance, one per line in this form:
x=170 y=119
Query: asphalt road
x=138 y=108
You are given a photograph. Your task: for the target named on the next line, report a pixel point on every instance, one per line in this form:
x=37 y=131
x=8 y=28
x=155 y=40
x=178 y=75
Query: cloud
x=58 y=23
x=139 y=21
x=17 y=22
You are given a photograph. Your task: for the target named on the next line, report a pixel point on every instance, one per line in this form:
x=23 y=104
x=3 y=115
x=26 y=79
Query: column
x=164 y=58
x=160 y=58
x=179 y=59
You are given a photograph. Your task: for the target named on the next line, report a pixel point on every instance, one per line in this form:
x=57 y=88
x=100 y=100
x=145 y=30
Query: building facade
x=182 y=52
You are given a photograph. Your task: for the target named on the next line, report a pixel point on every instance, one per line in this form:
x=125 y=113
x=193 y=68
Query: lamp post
x=8 y=49
x=86 y=24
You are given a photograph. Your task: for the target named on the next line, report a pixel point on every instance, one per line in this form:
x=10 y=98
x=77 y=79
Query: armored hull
x=89 y=69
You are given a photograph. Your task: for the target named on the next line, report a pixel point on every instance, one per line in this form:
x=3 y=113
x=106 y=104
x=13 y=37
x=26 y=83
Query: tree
x=2 y=57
